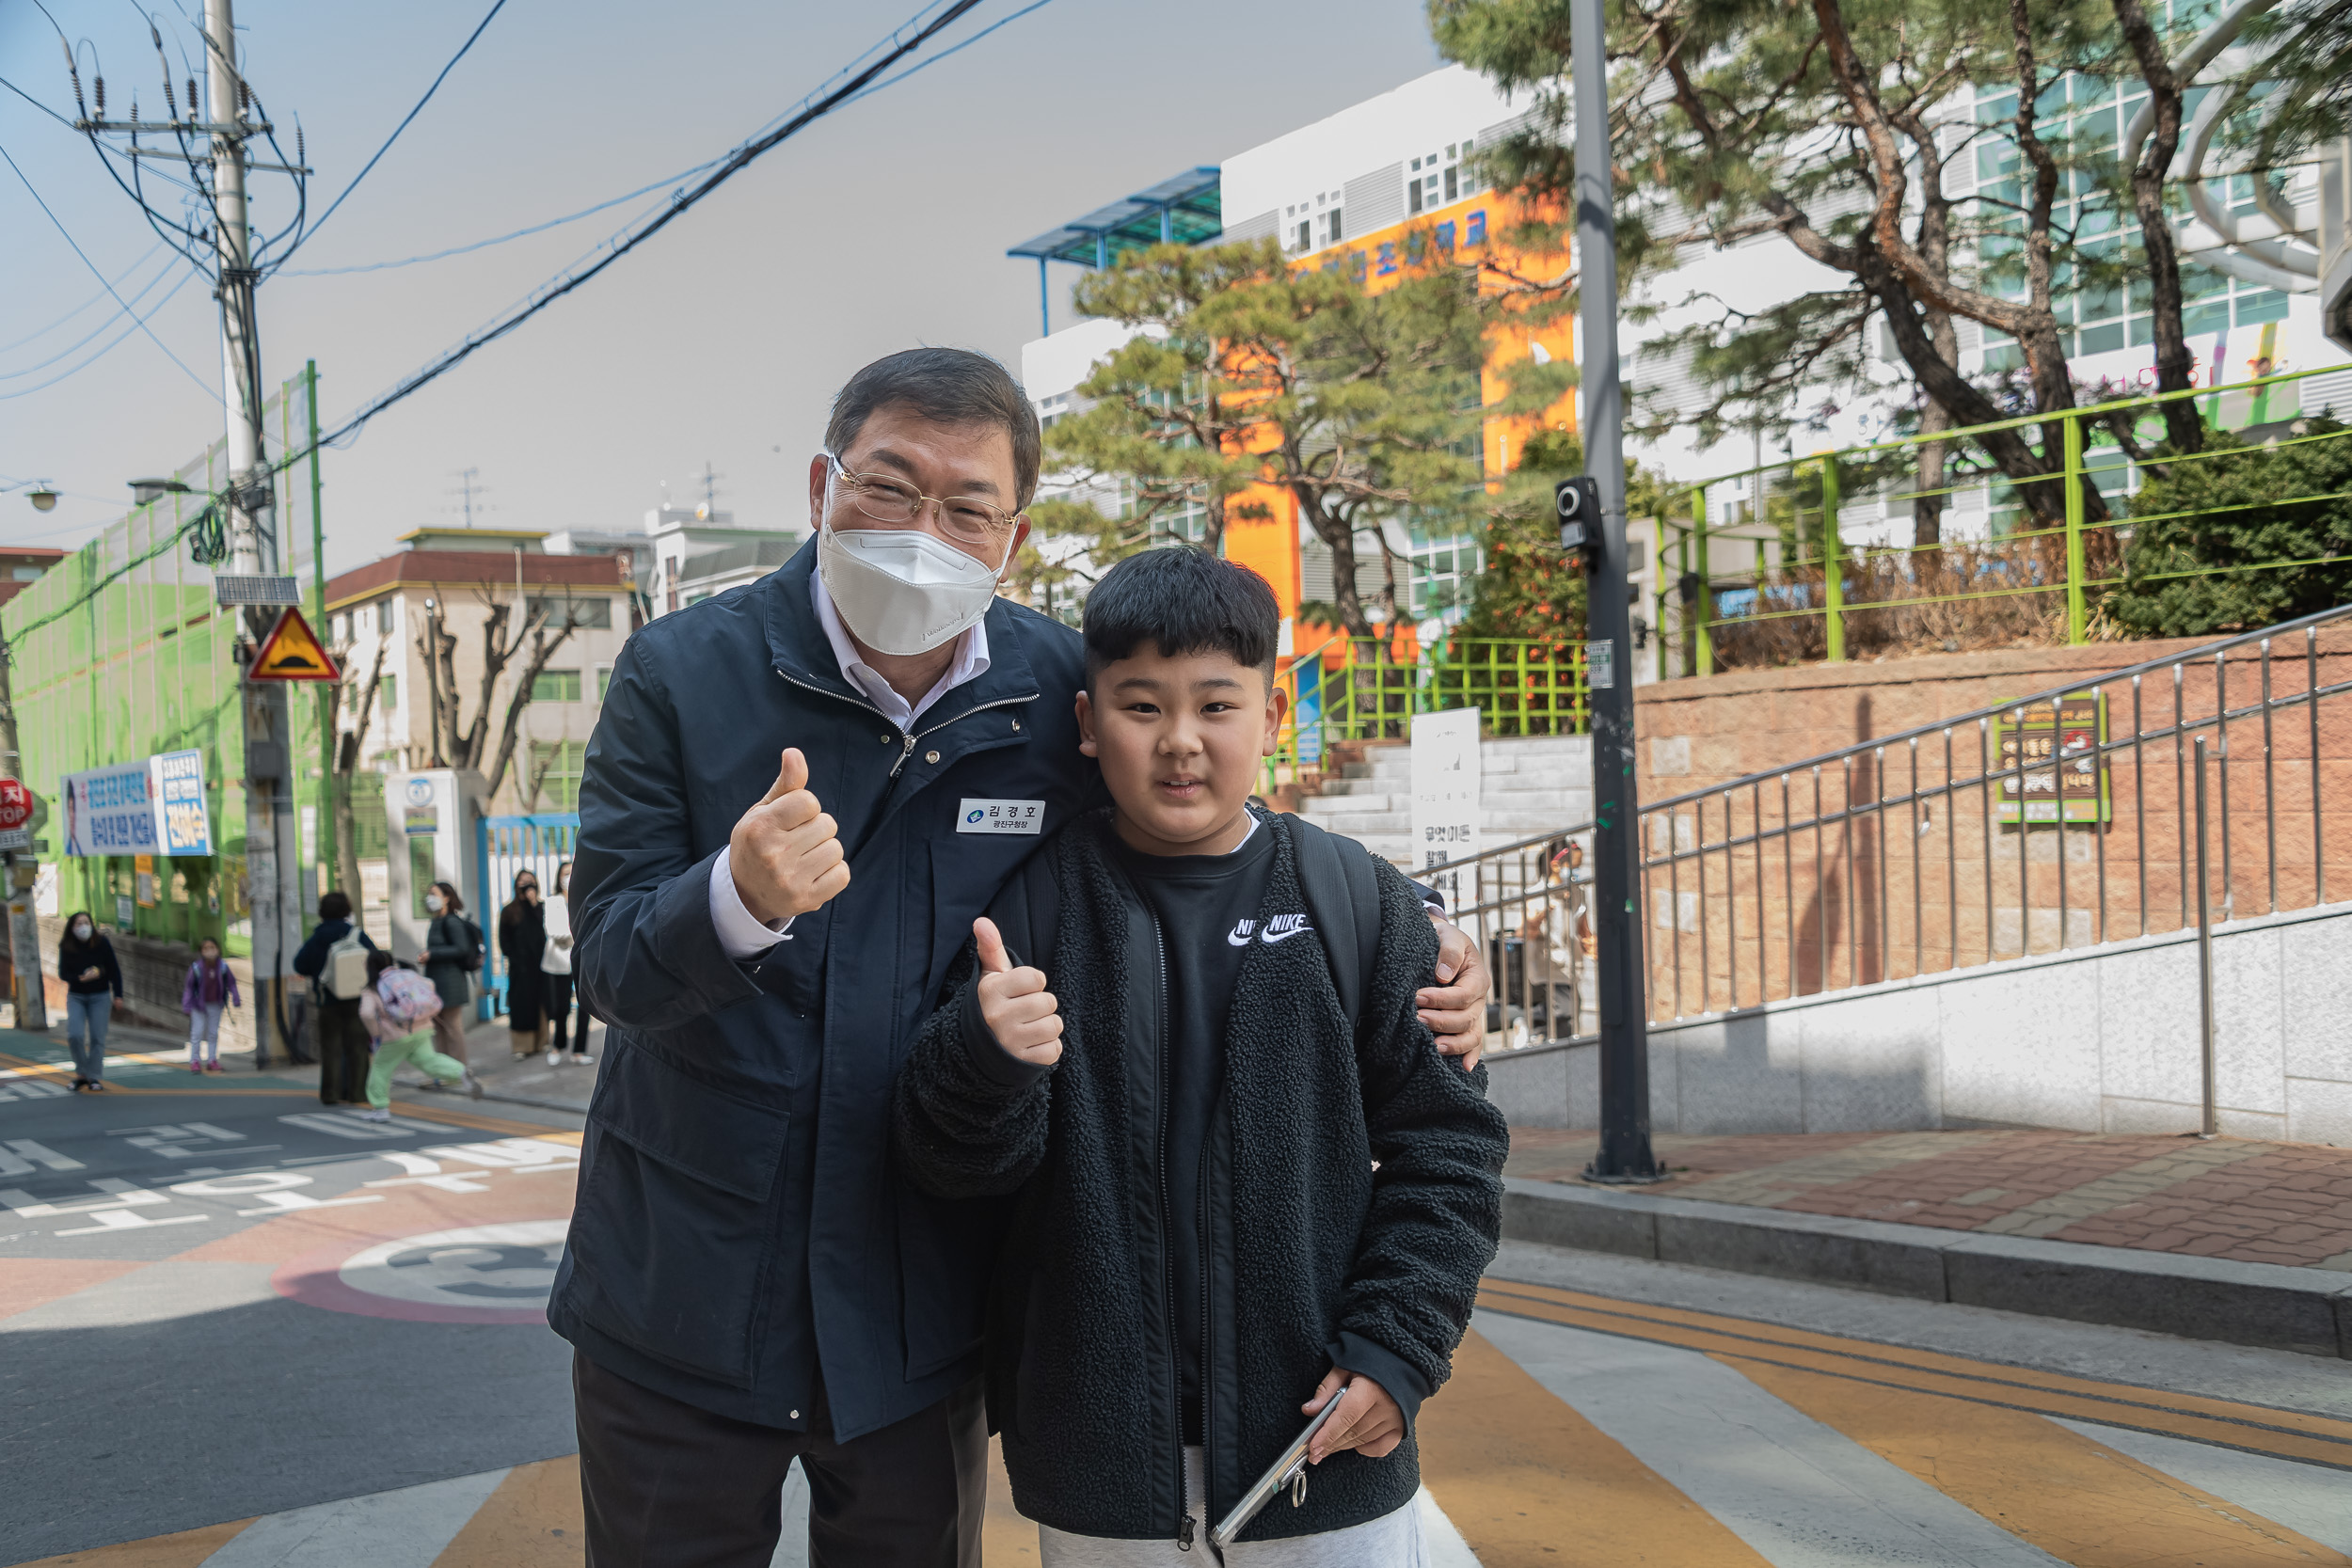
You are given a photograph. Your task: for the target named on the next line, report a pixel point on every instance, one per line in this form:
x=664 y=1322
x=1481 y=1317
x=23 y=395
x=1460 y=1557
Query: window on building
x=387 y=694
x=384 y=617
x=584 y=612
x=1334 y=231
x=555 y=769
x=556 y=686
x=604 y=683
x=1305 y=239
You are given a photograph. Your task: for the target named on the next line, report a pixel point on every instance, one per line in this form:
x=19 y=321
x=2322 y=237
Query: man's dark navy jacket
x=739 y=1223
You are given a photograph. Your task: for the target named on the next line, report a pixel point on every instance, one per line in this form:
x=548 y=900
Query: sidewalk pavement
x=2232 y=1198
x=488 y=1048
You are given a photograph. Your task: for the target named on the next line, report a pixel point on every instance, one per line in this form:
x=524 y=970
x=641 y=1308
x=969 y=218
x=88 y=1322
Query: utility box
x=431 y=825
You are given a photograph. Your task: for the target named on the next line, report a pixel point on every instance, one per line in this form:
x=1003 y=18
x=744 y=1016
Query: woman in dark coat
x=93 y=983
x=522 y=943
x=453 y=951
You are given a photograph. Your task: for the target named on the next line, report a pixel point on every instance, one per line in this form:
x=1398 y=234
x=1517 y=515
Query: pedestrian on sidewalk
x=327 y=959
x=397 y=1010
x=555 y=974
x=453 y=957
x=523 y=942
x=93 y=984
x=211 y=986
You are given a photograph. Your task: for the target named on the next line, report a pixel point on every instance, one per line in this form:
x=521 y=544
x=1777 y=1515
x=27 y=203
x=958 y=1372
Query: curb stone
x=2272 y=1305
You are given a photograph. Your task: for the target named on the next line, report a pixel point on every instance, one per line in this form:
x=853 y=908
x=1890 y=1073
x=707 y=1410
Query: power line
x=35 y=103
x=496 y=6
x=209 y=391
x=655 y=185
x=93 y=299
x=893 y=50
x=143 y=291
x=518 y=234
x=138 y=324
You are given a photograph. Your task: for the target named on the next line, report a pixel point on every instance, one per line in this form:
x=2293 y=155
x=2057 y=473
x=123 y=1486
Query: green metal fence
x=1771 y=579
x=118 y=653
x=1354 y=689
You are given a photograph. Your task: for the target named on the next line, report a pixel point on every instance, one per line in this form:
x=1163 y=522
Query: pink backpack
x=407 y=998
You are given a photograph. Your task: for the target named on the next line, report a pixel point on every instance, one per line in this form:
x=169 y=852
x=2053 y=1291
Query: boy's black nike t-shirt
x=1210 y=913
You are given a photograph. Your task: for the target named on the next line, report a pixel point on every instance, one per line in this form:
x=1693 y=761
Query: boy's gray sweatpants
x=1391 y=1541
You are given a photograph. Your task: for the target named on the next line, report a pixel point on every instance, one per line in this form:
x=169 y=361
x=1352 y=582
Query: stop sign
x=16 y=804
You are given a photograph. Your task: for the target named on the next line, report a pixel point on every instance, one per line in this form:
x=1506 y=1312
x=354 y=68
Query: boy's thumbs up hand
x=783 y=854
x=1014 y=1002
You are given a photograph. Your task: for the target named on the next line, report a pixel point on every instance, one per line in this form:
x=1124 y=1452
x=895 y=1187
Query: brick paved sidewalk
x=2229 y=1197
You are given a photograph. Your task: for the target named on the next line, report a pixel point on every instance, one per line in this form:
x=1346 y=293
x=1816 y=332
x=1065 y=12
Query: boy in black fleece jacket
x=1233 y=1197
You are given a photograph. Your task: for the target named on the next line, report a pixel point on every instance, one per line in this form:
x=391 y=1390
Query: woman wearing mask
x=93 y=981
x=522 y=943
x=452 y=953
x=555 y=974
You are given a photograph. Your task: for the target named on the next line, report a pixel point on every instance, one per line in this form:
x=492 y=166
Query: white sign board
x=1445 y=799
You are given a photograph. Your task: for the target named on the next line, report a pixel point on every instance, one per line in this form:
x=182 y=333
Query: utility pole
x=270 y=870
x=1624 y=1153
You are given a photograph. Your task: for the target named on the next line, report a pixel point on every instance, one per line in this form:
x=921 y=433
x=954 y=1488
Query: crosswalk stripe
x=2330 y=1428
x=1798 y=1492
x=2081 y=1501
x=186 y=1548
x=2296 y=1496
x=403 y=1528
x=532 y=1519
x=1531 y=1483
x=2259 y=1428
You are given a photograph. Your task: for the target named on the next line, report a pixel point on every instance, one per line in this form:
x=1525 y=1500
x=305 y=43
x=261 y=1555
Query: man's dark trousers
x=342 y=1051
x=669 y=1485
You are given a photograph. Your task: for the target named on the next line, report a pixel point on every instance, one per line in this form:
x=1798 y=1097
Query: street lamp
x=43 y=499
x=146 y=490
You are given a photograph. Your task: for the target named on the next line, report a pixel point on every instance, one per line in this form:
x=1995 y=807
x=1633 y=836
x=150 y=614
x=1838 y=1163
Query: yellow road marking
x=2077 y=1499
x=187 y=1548
x=2258 y=1429
x=532 y=1519
x=1531 y=1483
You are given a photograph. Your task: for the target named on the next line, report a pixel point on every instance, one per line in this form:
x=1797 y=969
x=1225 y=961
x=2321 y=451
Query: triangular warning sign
x=292 y=652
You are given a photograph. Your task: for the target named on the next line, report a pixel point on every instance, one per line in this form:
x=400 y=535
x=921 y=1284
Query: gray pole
x=1625 y=1151
x=270 y=869
x=2210 y=1125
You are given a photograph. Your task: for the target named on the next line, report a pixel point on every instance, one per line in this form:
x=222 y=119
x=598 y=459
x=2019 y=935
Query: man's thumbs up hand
x=1014 y=1002
x=783 y=854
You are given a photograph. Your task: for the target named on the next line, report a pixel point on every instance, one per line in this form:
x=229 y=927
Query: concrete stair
x=1528 y=786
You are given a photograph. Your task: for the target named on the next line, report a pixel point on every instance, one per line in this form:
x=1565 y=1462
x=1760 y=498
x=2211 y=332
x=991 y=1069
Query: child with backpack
x=398 y=1008
x=1248 y=1183
x=210 y=986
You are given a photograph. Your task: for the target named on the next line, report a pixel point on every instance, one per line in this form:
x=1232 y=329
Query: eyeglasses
x=888 y=501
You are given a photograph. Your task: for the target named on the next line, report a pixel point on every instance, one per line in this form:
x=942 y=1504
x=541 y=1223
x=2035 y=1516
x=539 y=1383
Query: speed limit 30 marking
x=482 y=1273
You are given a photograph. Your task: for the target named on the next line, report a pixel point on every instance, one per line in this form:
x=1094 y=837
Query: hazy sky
x=723 y=340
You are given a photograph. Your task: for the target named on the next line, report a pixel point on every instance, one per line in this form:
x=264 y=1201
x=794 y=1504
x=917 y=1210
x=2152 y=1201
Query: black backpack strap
x=1335 y=874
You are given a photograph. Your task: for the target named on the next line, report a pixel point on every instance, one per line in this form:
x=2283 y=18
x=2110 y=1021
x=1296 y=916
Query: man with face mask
x=799 y=796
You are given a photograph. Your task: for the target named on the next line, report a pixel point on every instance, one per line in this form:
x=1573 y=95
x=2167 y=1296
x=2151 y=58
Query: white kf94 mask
x=902 y=591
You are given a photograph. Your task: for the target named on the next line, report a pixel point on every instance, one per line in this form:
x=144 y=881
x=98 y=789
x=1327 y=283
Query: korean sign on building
x=154 y=807
x=2058 y=773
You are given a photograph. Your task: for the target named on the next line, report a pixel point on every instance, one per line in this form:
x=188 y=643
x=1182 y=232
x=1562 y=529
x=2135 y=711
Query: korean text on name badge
x=1000 y=816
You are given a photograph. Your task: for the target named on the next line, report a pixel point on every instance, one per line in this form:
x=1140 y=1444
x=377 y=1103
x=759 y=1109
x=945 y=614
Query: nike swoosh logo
x=1238 y=941
x=1271 y=937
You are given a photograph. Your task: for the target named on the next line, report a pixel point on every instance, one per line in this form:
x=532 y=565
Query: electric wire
x=93 y=299
x=893 y=49
x=138 y=323
x=496 y=6
x=209 y=391
x=141 y=292
x=518 y=234
x=645 y=189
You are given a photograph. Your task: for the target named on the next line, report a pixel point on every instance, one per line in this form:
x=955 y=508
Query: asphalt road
x=238 y=1330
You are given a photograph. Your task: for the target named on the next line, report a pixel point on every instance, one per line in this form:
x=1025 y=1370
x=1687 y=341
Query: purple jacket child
x=212 y=986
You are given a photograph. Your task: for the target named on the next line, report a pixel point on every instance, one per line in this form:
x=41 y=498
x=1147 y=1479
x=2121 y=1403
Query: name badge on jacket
x=1000 y=816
